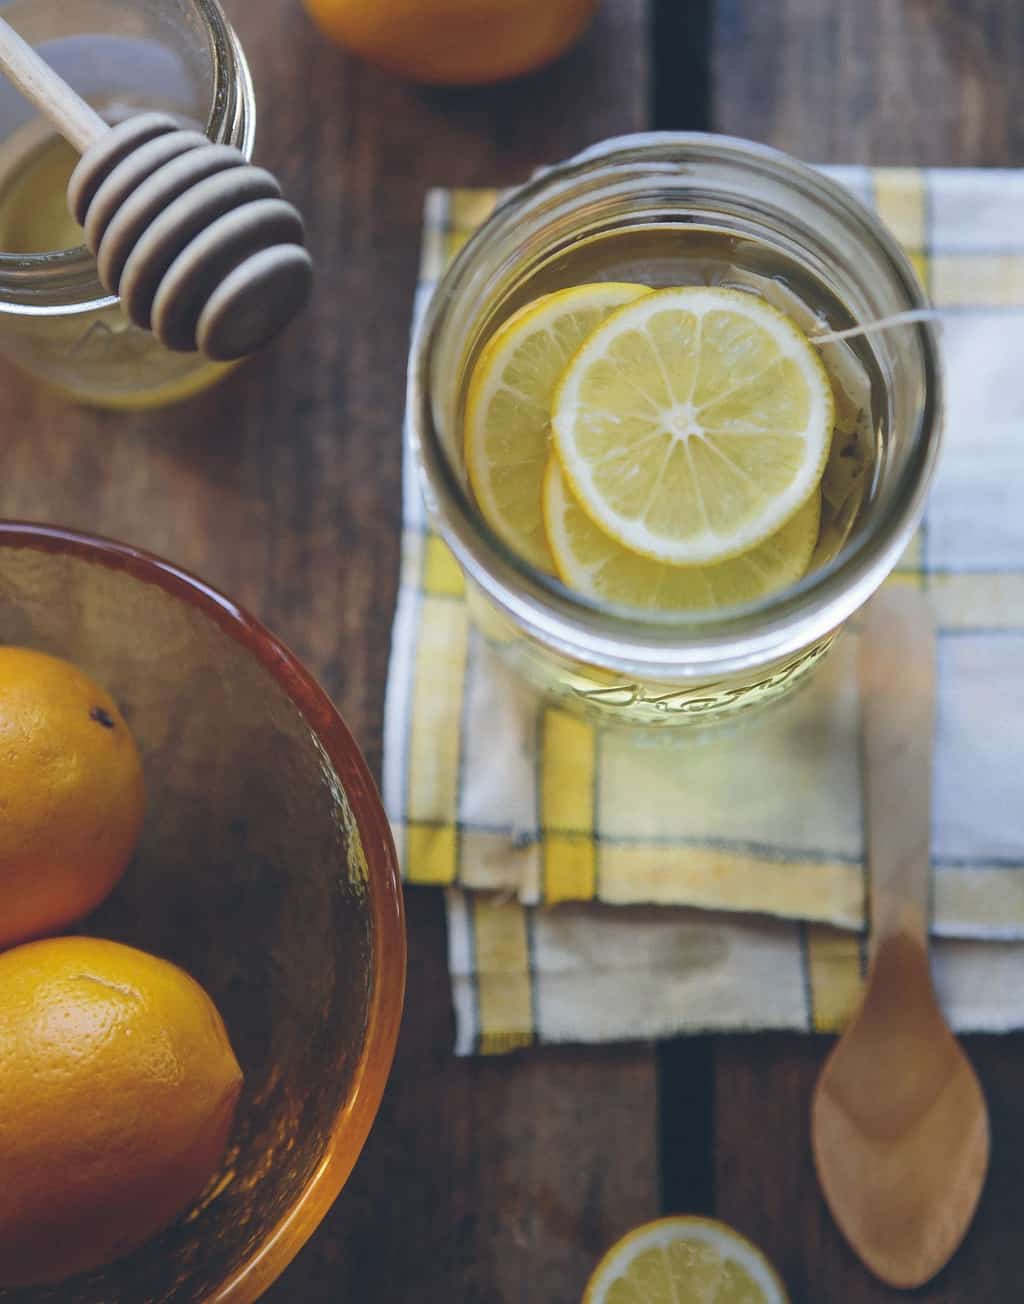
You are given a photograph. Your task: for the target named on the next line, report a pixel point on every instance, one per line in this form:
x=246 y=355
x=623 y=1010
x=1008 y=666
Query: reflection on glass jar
x=672 y=209
x=56 y=321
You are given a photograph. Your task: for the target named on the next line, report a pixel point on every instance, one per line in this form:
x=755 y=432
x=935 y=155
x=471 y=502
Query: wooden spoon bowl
x=899 y=1125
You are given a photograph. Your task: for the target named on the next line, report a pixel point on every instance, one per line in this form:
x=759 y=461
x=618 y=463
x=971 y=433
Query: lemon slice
x=684 y=1261
x=508 y=408
x=693 y=424
x=598 y=566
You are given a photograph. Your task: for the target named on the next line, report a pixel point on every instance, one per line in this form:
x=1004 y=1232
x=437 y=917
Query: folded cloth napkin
x=555 y=838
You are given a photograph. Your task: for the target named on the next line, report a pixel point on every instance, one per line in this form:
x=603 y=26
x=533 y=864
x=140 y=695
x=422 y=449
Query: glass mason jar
x=56 y=321
x=627 y=210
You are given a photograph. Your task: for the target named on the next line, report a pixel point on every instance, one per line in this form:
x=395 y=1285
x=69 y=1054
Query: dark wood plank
x=483 y=1181
x=916 y=82
x=927 y=82
x=766 y=1184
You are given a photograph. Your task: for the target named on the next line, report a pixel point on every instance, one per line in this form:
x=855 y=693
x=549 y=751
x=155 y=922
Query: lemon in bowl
x=118 y=1090
x=71 y=790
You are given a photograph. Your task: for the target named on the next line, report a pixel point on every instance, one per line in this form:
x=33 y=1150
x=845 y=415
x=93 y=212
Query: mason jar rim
x=73 y=271
x=655 y=643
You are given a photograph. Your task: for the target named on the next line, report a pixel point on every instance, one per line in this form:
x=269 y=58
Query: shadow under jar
x=57 y=323
x=672 y=209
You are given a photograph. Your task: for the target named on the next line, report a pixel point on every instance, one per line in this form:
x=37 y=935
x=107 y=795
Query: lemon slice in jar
x=599 y=567
x=693 y=424
x=508 y=407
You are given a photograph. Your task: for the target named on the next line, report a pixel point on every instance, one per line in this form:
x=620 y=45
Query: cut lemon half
x=684 y=1260
x=508 y=407
x=693 y=424
x=598 y=566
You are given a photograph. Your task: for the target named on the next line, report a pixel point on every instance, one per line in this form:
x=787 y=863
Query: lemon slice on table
x=508 y=408
x=684 y=1260
x=598 y=566
x=693 y=424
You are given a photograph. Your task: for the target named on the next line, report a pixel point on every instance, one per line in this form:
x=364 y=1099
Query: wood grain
x=483 y=1182
x=766 y=1184
x=925 y=82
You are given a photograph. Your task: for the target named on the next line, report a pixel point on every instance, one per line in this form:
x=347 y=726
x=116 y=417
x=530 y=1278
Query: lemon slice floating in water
x=508 y=407
x=596 y=565
x=693 y=424
x=684 y=1260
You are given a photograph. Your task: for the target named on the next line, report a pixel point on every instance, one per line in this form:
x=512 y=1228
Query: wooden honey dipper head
x=195 y=241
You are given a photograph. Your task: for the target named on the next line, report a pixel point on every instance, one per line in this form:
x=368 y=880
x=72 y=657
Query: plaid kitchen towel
x=537 y=822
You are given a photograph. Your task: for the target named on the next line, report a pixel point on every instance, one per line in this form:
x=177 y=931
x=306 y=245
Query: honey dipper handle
x=76 y=121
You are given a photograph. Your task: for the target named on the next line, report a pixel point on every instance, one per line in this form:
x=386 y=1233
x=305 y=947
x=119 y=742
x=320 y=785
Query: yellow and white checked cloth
x=556 y=841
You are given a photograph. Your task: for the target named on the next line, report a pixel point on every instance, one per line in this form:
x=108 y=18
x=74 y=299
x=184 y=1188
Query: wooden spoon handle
x=76 y=121
x=897 y=687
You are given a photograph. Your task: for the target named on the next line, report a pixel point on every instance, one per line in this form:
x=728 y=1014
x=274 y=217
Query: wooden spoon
x=898 y=1122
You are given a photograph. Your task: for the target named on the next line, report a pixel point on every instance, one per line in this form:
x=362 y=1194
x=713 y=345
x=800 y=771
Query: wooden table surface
x=501 y=1181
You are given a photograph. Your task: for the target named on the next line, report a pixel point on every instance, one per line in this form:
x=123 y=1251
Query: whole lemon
x=453 y=42
x=71 y=794
x=118 y=1088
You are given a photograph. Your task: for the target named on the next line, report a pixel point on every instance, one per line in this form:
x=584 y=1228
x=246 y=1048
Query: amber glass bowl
x=266 y=869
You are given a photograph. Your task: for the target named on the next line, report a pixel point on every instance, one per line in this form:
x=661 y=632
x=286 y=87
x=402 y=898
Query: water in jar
x=671 y=255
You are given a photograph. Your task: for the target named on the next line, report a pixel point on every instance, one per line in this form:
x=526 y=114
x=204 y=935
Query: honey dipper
x=195 y=241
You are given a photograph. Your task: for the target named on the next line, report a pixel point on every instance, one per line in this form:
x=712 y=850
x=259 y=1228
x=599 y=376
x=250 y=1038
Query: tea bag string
x=881 y=324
